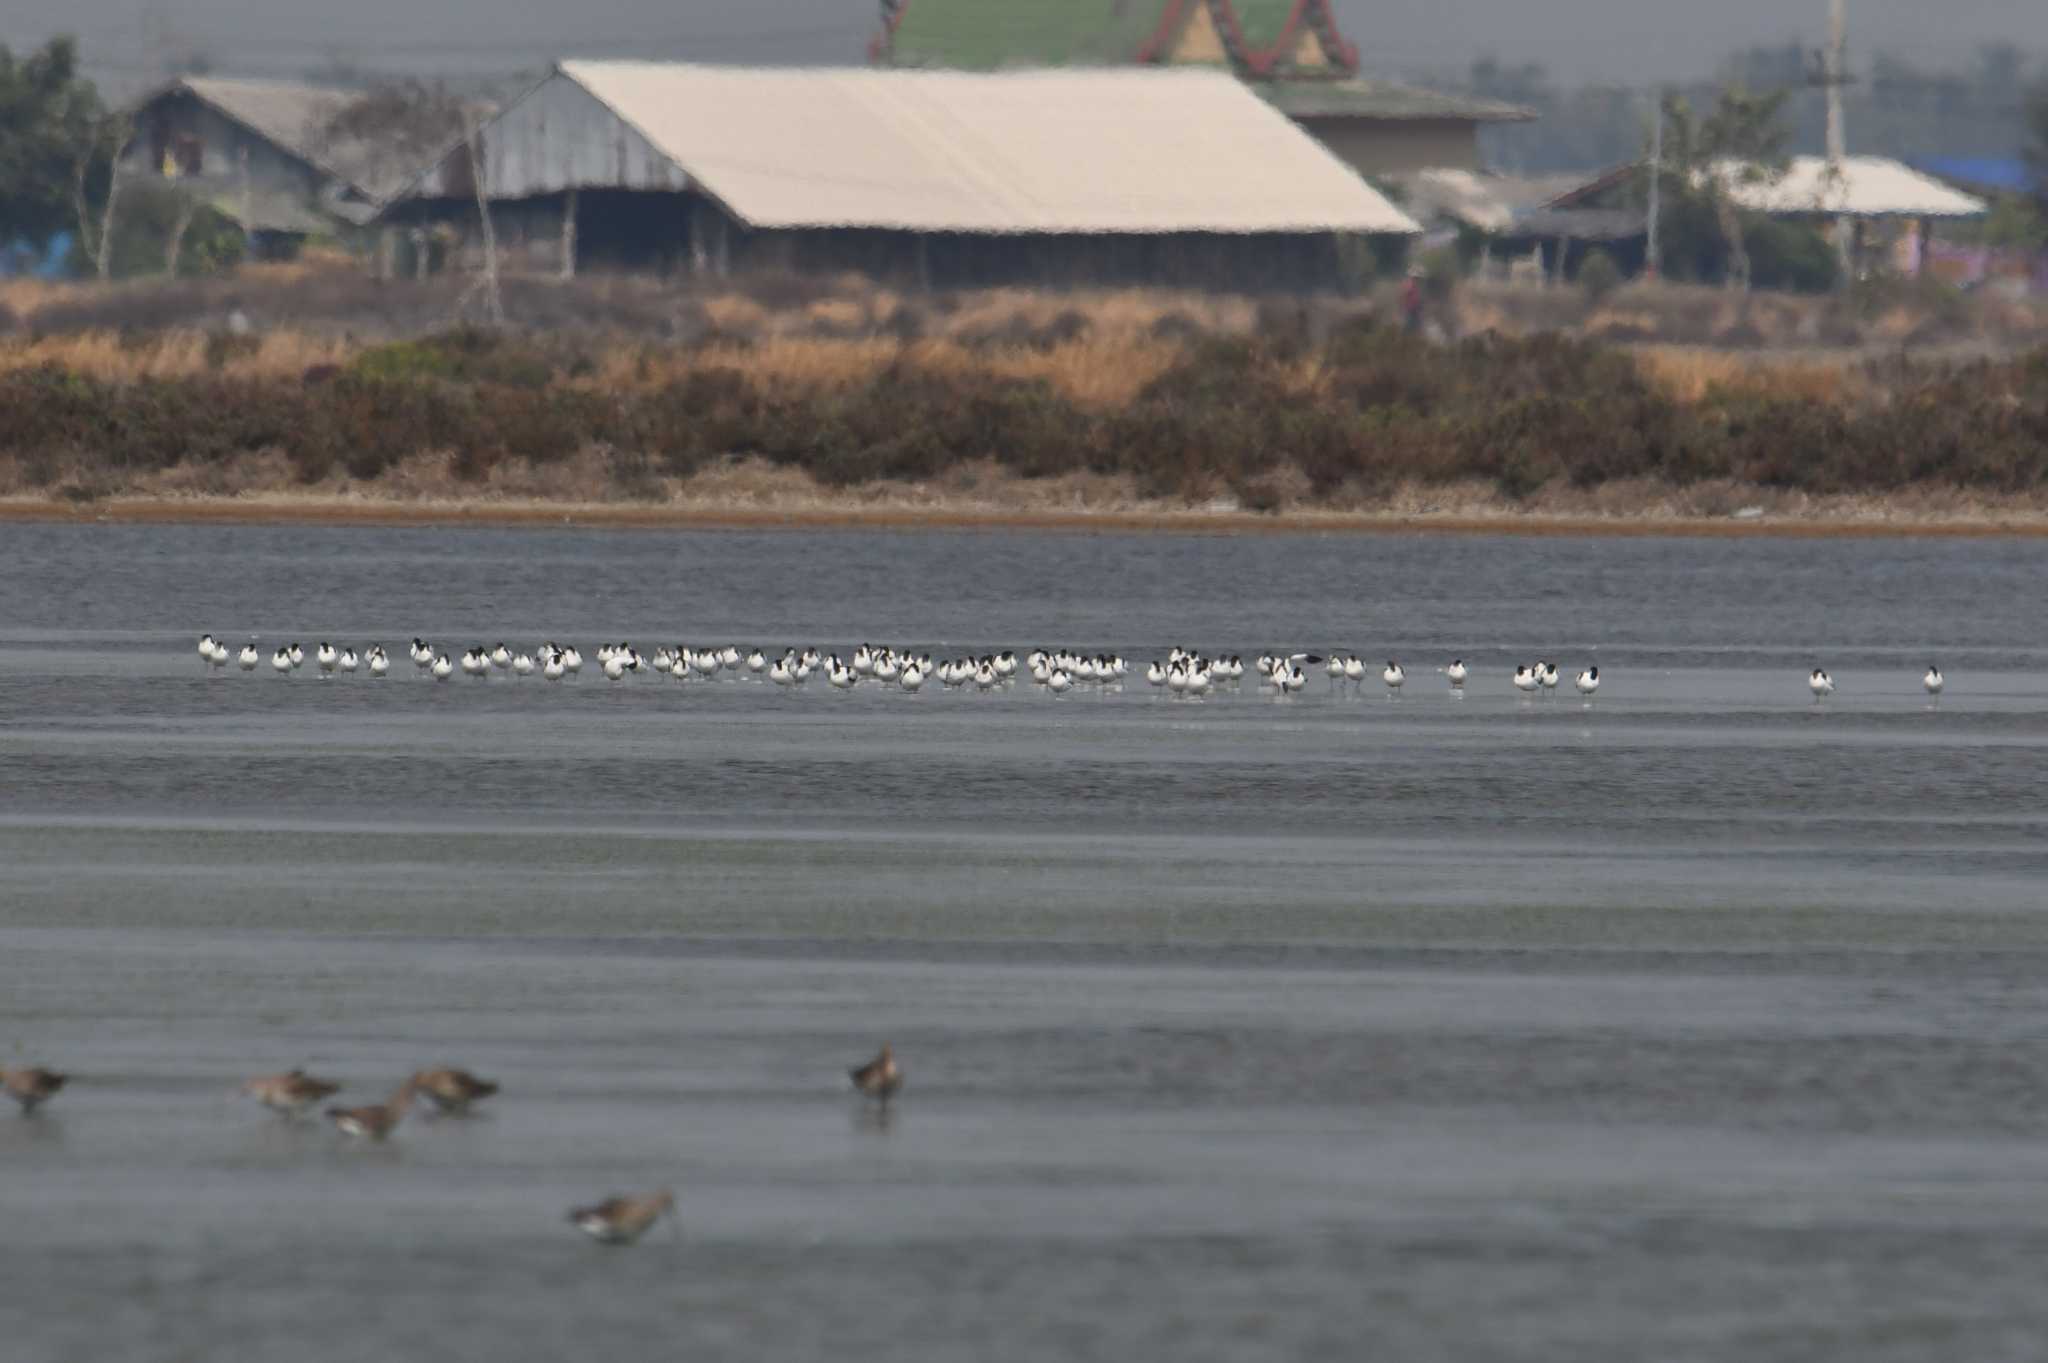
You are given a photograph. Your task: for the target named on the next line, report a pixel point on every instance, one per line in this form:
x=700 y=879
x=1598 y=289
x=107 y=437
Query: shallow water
x=1698 y=1021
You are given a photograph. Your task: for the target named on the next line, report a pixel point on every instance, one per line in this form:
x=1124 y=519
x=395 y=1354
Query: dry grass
x=1687 y=373
x=110 y=357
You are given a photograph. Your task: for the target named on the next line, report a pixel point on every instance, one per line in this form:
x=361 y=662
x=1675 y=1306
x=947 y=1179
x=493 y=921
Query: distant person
x=1411 y=302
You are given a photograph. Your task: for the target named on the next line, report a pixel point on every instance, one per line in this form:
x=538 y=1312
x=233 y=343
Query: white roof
x=1869 y=187
x=1102 y=150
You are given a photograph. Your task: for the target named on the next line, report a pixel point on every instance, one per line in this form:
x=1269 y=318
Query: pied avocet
x=442 y=667
x=1820 y=683
x=1457 y=673
x=1933 y=681
x=248 y=657
x=1393 y=676
x=1588 y=681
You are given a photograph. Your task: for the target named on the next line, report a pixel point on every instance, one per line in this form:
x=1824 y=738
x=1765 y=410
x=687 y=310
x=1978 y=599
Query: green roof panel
x=988 y=34
x=1263 y=21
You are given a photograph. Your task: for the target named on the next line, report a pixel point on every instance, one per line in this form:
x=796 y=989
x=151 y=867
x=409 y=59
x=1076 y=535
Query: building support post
x=700 y=256
x=1835 y=77
x=569 y=233
x=1653 y=257
x=494 y=307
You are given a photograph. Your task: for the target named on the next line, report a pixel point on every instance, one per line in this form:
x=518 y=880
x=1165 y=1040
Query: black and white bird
x=1821 y=684
x=1588 y=681
x=1933 y=681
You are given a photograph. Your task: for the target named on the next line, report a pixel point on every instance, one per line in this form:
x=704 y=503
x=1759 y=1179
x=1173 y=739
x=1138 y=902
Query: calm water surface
x=1698 y=1023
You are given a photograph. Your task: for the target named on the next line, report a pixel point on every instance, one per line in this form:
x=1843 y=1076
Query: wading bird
x=881 y=1078
x=291 y=1094
x=452 y=1091
x=376 y=1121
x=31 y=1086
x=622 y=1220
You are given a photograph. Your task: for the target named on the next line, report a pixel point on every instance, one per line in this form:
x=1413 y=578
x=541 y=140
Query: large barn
x=940 y=177
x=1291 y=52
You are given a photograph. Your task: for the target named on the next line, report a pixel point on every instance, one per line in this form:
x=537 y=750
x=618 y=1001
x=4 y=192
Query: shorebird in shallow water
x=881 y=1078
x=452 y=1091
x=1457 y=673
x=281 y=661
x=1588 y=682
x=377 y=1121
x=1821 y=684
x=291 y=1094
x=1527 y=679
x=248 y=657
x=622 y=1220
x=1393 y=676
x=31 y=1085
x=1934 y=681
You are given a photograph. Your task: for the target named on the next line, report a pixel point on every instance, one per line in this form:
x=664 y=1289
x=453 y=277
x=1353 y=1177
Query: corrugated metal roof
x=1380 y=99
x=300 y=119
x=291 y=115
x=1869 y=187
x=1489 y=203
x=1101 y=150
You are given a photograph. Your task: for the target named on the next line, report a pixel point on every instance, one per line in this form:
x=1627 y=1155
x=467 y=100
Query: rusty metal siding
x=556 y=137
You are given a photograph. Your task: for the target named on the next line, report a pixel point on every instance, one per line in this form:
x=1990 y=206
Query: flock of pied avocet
x=1182 y=672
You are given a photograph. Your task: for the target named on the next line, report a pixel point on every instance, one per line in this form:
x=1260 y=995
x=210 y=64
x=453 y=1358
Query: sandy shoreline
x=601 y=515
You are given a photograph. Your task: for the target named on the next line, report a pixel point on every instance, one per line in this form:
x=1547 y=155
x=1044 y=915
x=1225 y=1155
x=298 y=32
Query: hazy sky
x=1625 y=40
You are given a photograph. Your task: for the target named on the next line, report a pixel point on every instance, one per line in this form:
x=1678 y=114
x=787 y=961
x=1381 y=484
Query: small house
x=261 y=153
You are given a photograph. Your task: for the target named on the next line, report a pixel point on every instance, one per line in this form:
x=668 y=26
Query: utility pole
x=1832 y=76
x=1653 y=257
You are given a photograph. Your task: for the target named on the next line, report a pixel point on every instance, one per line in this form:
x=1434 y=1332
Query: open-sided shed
x=1044 y=176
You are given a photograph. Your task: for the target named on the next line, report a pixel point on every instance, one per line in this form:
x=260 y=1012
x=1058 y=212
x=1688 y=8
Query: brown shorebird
x=452 y=1091
x=31 y=1085
x=880 y=1078
x=292 y=1093
x=376 y=1121
x=622 y=1220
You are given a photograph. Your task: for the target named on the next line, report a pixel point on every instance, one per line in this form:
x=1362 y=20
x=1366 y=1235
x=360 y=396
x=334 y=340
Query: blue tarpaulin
x=41 y=262
x=2008 y=173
